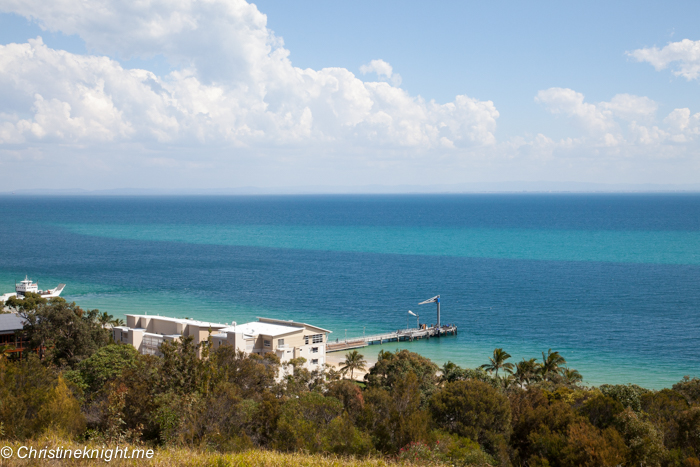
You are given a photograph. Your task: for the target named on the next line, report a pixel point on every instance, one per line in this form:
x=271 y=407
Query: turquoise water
x=611 y=281
x=659 y=247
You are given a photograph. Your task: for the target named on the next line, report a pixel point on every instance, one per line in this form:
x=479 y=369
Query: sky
x=217 y=94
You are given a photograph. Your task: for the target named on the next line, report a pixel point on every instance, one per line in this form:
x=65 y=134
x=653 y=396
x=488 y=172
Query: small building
x=286 y=339
x=12 y=332
x=147 y=332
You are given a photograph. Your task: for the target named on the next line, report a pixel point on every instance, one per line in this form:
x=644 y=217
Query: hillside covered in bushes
x=85 y=388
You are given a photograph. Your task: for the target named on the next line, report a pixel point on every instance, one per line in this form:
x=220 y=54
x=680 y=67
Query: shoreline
x=336 y=359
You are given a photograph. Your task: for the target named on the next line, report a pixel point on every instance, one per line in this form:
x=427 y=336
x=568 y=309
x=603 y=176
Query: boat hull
x=50 y=293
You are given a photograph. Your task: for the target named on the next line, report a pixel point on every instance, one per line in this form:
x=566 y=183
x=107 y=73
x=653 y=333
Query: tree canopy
x=353 y=361
x=62 y=332
x=408 y=409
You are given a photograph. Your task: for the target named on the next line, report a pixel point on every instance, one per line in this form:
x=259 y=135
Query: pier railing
x=399 y=335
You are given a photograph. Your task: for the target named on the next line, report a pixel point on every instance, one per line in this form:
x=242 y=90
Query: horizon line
x=511 y=187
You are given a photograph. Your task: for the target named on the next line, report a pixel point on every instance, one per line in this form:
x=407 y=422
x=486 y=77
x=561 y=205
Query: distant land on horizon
x=482 y=187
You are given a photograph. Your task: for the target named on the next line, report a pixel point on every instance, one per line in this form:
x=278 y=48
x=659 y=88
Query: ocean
x=611 y=281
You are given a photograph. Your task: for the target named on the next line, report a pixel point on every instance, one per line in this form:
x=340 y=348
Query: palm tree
x=117 y=322
x=508 y=381
x=384 y=354
x=527 y=371
x=498 y=361
x=104 y=318
x=354 y=361
x=571 y=376
x=551 y=364
x=450 y=372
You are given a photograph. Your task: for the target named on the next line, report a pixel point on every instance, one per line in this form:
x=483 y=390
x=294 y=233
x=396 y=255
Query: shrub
x=349 y=393
x=303 y=420
x=663 y=409
x=456 y=450
x=395 y=419
x=601 y=410
x=34 y=400
x=644 y=441
x=392 y=368
x=418 y=452
x=62 y=410
x=104 y=365
x=63 y=332
x=689 y=388
x=344 y=438
x=587 y=445
x=689 y=430
x=472 y=409
x=629 y=395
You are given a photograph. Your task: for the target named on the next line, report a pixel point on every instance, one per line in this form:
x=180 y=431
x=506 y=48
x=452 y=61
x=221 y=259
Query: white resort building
x=287 y=339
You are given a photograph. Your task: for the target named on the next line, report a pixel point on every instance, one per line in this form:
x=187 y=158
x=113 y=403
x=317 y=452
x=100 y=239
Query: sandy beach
x=337 y=358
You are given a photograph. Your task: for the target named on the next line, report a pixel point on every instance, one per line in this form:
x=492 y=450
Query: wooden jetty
x=396 y=336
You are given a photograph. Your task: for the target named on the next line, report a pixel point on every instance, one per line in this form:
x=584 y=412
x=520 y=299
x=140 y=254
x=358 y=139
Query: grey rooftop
x=10 y=322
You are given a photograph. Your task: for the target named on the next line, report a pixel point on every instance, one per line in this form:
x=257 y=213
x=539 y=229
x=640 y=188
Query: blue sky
x=501 y=51
x=227 y=94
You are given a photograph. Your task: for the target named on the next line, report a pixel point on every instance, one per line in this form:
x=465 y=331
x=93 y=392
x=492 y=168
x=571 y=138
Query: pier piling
x=409 y=335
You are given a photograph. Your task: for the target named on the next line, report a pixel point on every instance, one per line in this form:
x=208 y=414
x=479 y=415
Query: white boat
x=27 y=286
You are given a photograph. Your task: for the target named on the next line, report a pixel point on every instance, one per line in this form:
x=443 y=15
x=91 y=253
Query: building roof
x=10 y=322
x=265 y=326
x=292 y=323
x=188 y=321
x=267 y=329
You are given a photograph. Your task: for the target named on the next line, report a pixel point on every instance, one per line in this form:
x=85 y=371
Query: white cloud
x=234 y=86
x=683 y=126
x=384 y=71
x=686 y=53
x=65 y=98
x=629 y=107
x=222 y=40
x=571 y=103
x=599 y=117
x=236 y=104
x=624 y=121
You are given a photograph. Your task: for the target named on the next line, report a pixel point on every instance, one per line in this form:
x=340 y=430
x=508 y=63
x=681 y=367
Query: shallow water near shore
x=611 y=281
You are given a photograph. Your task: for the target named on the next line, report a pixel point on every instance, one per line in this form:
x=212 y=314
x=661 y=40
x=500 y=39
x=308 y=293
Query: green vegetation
x=5 y=350
x=353 y=361
x=498 y=361
x=30 y=302
x=62 y=333
x=176 y=456
x=231 y=408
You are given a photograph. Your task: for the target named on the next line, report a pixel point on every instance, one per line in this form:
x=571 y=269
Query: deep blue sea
x=610 y=281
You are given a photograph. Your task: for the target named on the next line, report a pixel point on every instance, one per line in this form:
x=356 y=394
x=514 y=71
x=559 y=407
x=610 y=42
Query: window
x=314 y=361
x=280 y=342
x=152 y=341
x=150 y=345
x=317 y=338
x=314 y=349
x=267 y=343
x=306 y=340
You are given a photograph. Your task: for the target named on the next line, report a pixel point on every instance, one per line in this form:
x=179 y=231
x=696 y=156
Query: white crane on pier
x=435 y=299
